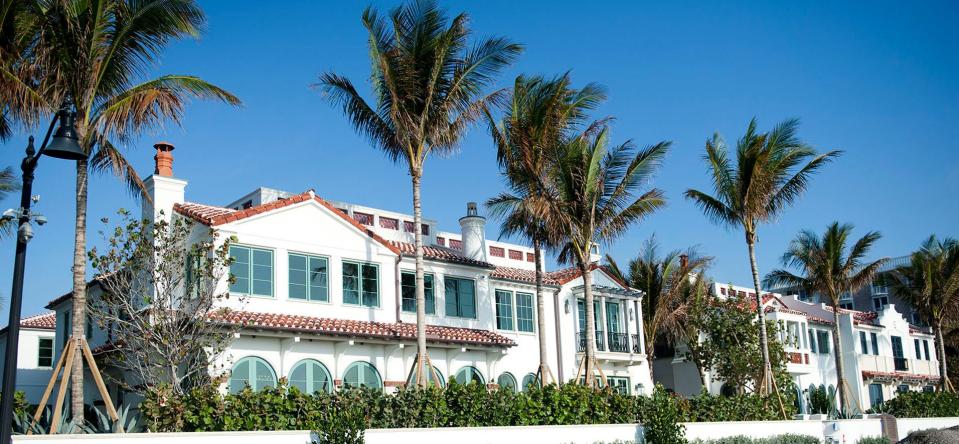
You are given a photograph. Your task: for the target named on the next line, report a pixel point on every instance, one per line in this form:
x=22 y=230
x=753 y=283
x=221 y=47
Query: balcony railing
x=636 y=345
x=901 y=364
x=619 y=342
x=581 y=341
x=889 y=364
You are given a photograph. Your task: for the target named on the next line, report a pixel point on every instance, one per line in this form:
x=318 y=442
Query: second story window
x=822 y=338
x=524 y=312
x=879 y=302
x=252 y=271
x=361 y=284
x=504 y=310
x=408 y=285
x=874 y=338
x=45 y=352
x=309 y=277
x=460 y=297
x=925 y=348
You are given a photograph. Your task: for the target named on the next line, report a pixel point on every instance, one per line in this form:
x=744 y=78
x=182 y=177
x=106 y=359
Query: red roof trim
x=214 y=216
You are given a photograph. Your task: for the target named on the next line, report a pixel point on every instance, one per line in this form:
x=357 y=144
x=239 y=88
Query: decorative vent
x=516 y=255
x=530 y=257
x=363 y=218
x=389 y=223
x=456 y=244
x=440 y=241
x=497 y=252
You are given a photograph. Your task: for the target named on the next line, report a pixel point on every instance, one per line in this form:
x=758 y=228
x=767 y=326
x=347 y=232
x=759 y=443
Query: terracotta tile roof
x=566 y=275
x=521 y=275
x=438 y=253
x=866 y=374
x=213 y=216
x=351 y=328
x=46 y=321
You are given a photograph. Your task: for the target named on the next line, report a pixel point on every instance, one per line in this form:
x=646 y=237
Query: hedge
x=473 y=405
x=777 y=439
x=921 y=405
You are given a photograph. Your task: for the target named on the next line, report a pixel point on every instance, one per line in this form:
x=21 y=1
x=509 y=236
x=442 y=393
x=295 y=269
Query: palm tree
x=665 y=281
x=538 y=117
x=771 y=171
x=428 y=89
x=95 y=54
x=596 y=186
x=8 y=184
x=830 y=268
x=930 y=282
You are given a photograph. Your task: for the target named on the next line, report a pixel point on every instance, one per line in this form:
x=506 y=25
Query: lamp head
x=66 y=143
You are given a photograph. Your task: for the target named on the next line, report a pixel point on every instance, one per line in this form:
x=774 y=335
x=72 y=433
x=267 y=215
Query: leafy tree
x=539 y=115
x=930 y=283
x=729 y=344
x=597 y=187
x=160 y=300
x=428 y=89
x=771 y=171
x=831 y=268
x=96 y=54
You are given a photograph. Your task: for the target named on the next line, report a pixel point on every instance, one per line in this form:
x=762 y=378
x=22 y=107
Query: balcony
x=888 y=364
x=901 y=364
x=581 y=341
x=619 y=342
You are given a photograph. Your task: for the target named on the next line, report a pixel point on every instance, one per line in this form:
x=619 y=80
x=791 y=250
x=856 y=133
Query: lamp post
x=65 y=145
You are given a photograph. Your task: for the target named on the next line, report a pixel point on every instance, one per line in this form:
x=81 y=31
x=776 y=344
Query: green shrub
x=778 y=439
x=660 y=418
x=873 y=440
x=921 y=405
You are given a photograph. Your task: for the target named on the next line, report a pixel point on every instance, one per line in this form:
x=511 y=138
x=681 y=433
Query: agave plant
x=23 y=424
x=130 y=422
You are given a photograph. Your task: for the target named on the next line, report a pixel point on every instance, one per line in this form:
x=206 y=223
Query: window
x=389 y=223
x=45 y=352
x=363 y=218
x=822 y=338
x=524 y=312
x=516 y=255
x=252 y=271
x=311 y=376
x=504 y=310
x=530 y=380
x=361 y=284
x=194 y=274
x=915 y=343
x=879 y=302
x=432 y=377
x=362 y=374
x=469 y=375
x=875 y=395
x=902 y=388
x=618 y=384
x=440 y=240
x=530 y=257
x=928 y=389
x=925 y=348
x=251 y=372
x=497 y=252
x=67 y=328
x=460 y=297
x=507 y=381
x=862 y=341
x=847 y=305
x=425 y=229
x=408 y=226
x=812 y=340
x=308 y=277
x=898 y=358
x=408 y=287
x=875 y=343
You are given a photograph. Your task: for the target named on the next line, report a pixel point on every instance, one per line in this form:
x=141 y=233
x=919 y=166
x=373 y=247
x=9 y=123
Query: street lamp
x=65 y=145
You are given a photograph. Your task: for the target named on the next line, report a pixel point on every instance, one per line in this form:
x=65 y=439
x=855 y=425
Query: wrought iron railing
x=619 y=342
x=581 y=341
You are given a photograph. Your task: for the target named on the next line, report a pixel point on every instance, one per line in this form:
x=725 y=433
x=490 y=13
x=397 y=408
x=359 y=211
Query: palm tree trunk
x=760 y=313
x=590 y=357
x=421 y=354
x=944 y=384
x=79 y=290
x=540 y=315
x=837 y=350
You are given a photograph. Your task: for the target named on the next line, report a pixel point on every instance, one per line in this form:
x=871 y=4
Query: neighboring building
x=327 y=296
x=872 y=297
x=883 y=353
x=35 y=357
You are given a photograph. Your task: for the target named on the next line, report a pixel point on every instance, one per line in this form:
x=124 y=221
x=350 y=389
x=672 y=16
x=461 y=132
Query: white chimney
x=473 y=228
x=164 y=189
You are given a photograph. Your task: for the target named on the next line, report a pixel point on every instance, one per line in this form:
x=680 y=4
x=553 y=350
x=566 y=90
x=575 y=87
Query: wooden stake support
x=65 y=361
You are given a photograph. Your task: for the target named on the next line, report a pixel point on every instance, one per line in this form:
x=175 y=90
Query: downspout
x=398 y=293
x=560 y=378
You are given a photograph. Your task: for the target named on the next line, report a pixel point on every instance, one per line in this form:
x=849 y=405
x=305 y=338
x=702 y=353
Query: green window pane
x=45 y=355
x=469 y=375
x=370 y=286
x=451 y=305
x=612 y=317
x=507 y=381
x=310 y=376
x=524 y=312
x=408 y=291
x=362 y=374
x=240 y=269
x=297 y=276
x=319 y=288
x=351 y=283
x=504 y=310
x=428 y=290
x=529 y=380
x=460 y=298
x=264 y=375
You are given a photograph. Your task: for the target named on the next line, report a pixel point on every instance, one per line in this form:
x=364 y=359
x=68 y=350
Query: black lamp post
x=65 y=145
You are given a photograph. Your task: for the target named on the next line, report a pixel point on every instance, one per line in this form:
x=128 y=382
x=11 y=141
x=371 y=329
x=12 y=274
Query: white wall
x=31 y=378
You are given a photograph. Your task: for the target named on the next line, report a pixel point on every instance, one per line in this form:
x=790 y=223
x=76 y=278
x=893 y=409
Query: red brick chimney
x=164 y=159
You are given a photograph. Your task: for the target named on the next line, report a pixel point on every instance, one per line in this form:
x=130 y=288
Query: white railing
x=888 y=364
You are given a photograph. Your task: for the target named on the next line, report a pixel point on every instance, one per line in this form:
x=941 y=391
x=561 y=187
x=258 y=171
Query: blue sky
x=880 y=81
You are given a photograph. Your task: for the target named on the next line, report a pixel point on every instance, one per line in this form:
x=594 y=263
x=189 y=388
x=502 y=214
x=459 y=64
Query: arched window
x=362 y=374
x=311 y=376
x=506 y=380
x=429 y=378
x=469 y=374
x=251 y=371
x=528 y=380
x=727 y=390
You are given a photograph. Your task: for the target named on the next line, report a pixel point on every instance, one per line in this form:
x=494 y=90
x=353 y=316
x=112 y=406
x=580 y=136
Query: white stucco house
x=883 y=354
x=327 y=296
x=35 y=356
